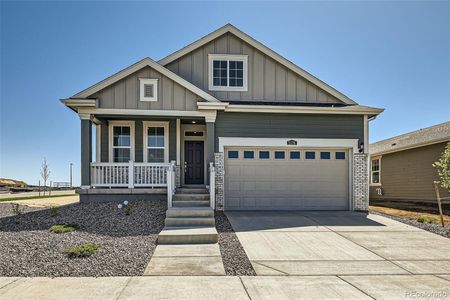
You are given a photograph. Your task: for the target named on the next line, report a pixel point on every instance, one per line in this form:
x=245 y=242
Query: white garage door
x=286 y=179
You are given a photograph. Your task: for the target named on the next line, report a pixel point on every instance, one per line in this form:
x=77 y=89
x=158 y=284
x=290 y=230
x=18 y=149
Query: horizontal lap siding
x=266 y=125
x=409 y=175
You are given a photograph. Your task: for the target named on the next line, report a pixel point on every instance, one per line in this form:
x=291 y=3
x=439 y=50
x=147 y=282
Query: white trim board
x=282 y=142
x=143 y=112
x=264 y=49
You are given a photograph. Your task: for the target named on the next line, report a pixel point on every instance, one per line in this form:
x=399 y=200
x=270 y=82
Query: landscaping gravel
x=235 y=260
x=434 y=228
x=125 y=242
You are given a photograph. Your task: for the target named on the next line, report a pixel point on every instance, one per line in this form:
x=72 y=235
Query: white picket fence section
x=129 y=174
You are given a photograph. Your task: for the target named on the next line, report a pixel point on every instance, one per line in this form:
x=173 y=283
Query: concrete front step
x=188 y=235
x=190 y=197
x=201 y=203
x=196 y=221
x=192 y=191
x=190 y=212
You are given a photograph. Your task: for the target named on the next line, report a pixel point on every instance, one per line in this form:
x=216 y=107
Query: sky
x=393 y=55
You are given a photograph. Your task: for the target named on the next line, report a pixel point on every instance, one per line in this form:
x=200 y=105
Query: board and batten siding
x=139 y=138
x=270 y=125
x=268 y=80
x=409 y=175
x=124 y=94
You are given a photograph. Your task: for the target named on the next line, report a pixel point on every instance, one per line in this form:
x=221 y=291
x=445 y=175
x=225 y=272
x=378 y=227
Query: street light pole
x=71 y=164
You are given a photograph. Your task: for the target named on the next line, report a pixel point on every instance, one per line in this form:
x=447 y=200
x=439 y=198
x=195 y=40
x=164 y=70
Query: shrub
x=127 y=209
x=425 y=219
x=61 y=228
x=83 y=250
x=54 y=211
x=16 y=209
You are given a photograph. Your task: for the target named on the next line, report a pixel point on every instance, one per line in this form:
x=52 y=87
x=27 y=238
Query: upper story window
x=227 y=72
x=375 y=169
x=148 y=89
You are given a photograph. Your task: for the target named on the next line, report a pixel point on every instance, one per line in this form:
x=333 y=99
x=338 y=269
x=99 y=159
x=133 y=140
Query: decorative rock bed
x=125 y=242
x=235 y=260
x=434 y=228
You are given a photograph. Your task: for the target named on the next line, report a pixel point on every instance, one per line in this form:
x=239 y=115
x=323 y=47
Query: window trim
x=379 y=171
x=145 y=126
x=228 y=57
x=111 y=125
x=148 y=81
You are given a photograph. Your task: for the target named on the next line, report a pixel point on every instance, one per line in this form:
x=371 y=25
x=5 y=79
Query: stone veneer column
x=360 y=182
x=219 y=164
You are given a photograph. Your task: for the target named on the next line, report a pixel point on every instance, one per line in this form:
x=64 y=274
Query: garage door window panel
x=233 y=154
x=310 y=155
x=264 y=154
x=249 y=154
x=294 y=155
x=340 y=155
x=325 y=155
x=279 y=154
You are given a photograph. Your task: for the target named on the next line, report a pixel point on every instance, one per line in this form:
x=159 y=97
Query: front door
x=193 y=162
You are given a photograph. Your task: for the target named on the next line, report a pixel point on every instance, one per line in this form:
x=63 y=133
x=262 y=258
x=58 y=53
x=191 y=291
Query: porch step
x=190 y=197
x=193 y=221
x=188 y=235
x=190 y=212
x=192 y=191
x=191 y=203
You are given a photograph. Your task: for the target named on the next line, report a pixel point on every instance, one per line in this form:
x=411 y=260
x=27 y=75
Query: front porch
x=144 y=157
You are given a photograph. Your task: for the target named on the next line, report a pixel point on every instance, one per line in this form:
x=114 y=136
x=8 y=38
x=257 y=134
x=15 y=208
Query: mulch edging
x=235 y=260
x=434 y=228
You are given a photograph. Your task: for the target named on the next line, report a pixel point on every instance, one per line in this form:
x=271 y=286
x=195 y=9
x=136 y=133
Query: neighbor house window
x=121 y=141
x=148 y=89
x=227 y=72
x=156 y=142
x=375 y=171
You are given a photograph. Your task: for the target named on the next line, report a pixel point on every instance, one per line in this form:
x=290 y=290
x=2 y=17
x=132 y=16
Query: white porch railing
x=129 y=174
x=212 y=185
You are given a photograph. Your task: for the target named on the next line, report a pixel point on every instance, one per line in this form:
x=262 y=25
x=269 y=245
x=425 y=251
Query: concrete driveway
x=372 y=253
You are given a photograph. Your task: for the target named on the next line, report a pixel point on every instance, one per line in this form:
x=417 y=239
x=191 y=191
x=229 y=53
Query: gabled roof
x=419 y=138
x=264 y=49
x=137 y=66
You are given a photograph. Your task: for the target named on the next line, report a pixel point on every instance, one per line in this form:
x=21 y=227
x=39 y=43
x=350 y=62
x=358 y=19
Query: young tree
x=443 y=168
x=45 y=172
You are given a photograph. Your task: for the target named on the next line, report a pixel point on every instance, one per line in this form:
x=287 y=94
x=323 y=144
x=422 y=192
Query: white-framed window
x=156 y=142
x=375 y=171
x=121 y=141
x=228 y=72
x=148 y=89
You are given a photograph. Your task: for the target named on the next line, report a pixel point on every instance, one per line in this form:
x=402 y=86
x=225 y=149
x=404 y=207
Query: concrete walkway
x=188 y=259
x=225 y=287
x=338 y=243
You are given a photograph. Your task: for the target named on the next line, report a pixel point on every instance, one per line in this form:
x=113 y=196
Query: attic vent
x=148 y=91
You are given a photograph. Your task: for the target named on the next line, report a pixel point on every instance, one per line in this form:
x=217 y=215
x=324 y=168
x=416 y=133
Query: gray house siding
x=267 y=125
x=138 y=138
x=124 y=94
x=267 y=79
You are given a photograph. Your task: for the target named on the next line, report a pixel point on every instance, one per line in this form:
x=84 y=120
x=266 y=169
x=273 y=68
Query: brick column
x=219 y=164
x=360 y=182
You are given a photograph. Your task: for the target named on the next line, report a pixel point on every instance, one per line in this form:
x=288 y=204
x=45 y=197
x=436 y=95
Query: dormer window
x=148 y=89
x=228 y=72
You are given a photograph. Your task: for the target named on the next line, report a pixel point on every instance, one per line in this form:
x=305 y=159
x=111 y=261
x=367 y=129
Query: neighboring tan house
x=271 y=135
x=401 y=167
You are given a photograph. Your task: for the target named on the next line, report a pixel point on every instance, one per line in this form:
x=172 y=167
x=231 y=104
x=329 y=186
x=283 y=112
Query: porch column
x=86 y=149
x=210 y=119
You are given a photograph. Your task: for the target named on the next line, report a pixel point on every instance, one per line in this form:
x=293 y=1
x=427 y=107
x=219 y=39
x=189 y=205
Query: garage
x=268 y=178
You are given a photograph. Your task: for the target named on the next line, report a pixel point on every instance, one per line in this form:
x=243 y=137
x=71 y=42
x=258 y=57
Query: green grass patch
x=61 y=228
x=426 y=219
x=83 y=250
x=35 y=197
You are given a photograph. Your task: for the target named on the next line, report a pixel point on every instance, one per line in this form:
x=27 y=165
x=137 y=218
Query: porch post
x=86 y=150
x=210 y=140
